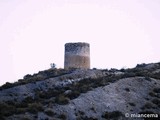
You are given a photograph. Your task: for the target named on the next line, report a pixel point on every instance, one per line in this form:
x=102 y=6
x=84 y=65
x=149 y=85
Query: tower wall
x=77 y=55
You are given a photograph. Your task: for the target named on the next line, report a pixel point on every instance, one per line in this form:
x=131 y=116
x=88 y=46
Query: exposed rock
x=85 y=94
x=18 y=93
x=113 y=97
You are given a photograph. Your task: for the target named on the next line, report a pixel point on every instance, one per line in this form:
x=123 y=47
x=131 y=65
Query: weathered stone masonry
x=77 y=55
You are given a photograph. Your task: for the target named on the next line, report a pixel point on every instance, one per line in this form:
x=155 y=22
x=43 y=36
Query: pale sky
x=121 y=33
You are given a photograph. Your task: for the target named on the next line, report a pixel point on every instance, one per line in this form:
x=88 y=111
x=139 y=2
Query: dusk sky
x=121 y=33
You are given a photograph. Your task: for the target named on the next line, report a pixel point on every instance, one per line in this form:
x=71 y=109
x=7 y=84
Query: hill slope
x=83 y=94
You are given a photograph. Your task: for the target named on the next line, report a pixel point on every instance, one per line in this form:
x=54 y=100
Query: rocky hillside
x=76 y=94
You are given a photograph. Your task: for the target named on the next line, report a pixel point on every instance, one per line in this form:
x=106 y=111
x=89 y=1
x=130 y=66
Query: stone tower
x=77 y=55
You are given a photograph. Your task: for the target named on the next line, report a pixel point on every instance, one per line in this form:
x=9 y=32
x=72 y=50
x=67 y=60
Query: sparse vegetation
x=9 y=108
x=49 y=112
x=156 y=101
x=6 y=110
x=132 y=104
x=53 y=65
x=155 y=93
x=152 y=94
x=35 y=107
x=127 y=89
x=112 y=115
x=156 y=90
x=147 y=105
x=62 y=116
x=58 y=95
x=25 y=118
x=93 y=109
x=139 y=70
x=42 y=75
x=62 y=100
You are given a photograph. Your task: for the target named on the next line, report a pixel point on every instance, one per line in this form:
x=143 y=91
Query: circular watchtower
x=77 y=55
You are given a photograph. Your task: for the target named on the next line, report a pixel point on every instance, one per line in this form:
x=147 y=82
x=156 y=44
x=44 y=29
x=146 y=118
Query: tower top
x=72 y=46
